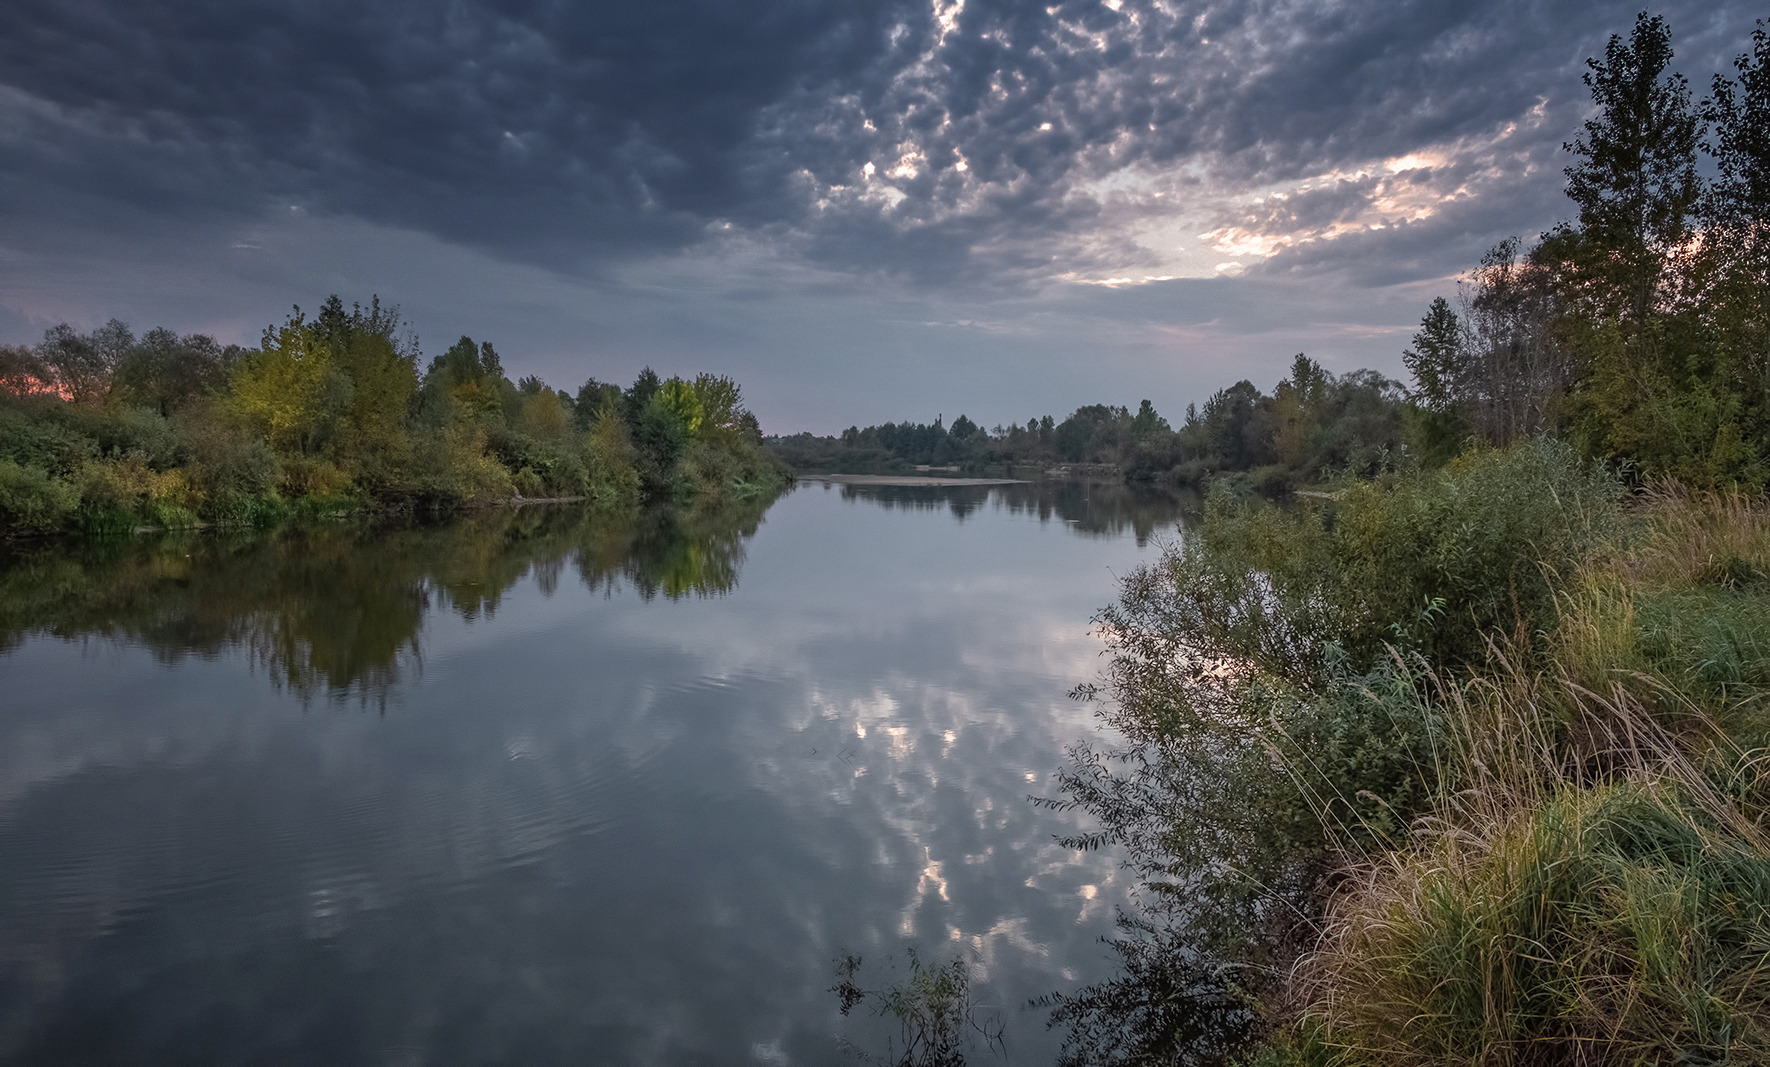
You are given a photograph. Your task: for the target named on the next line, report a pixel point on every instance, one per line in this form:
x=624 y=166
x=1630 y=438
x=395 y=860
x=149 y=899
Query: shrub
x=310 y=476
x=31 y=502
x=1432 y=562
x=610 y=462
x=528 y=483
x=29 y=440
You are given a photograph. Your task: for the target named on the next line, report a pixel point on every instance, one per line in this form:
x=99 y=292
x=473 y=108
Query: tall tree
x=1739 y=199
x=164 y=370
x=1517 y=368
x=1737 y=214
x=1438 y=359
x=1635 y=180
x=81 y=365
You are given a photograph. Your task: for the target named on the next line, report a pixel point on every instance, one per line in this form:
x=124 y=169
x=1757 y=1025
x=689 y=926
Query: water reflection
x=338 y=608
x=1091 y=508
x=626 y=812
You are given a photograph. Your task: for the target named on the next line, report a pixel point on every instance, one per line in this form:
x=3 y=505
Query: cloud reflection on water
x=593 y=825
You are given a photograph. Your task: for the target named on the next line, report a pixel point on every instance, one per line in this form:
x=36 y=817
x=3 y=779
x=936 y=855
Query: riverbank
x=1476 y=766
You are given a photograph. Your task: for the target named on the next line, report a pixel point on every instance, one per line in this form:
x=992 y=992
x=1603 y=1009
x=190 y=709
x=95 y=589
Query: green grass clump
x=1626 y=923
x=1593 y=884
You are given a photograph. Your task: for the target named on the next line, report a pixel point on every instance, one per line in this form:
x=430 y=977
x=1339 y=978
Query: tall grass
x=1608 y=905
x=1592 y=885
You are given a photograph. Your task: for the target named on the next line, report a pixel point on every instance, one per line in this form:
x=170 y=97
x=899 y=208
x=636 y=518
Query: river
x=535 y=787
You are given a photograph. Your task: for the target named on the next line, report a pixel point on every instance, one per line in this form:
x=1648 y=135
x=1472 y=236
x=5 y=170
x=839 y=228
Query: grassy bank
x=1463 y=766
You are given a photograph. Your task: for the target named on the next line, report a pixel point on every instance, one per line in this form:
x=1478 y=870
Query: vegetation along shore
x=105 y=432
x=1462 y=760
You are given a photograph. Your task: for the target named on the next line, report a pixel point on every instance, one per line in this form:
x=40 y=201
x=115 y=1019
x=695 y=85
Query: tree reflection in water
x=1101 y=509
x=338 y=609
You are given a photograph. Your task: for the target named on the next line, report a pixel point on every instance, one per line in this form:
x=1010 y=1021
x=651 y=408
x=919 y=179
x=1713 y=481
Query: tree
x=683 y=404
x=1438 y=359
x=468 y=377
x=165 y=371
x=1516 y=366
x=81 y=365
x=721 y=402
x=22 y=373
x=1737 y=215
x=288 y=392
x=593 y=398
x=639 y=394
x=1635 y=181
x=1147 y=423
x=1739 y=198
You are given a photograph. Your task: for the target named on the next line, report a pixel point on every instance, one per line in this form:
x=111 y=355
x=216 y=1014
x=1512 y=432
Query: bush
x=1480 y=547
x=31 y=502
x=231 y=507
x=1432 y=562
x=308 y=476
x=612 y=475
x=29 y=440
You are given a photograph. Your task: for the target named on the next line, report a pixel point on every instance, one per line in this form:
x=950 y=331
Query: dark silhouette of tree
x=1634 y=179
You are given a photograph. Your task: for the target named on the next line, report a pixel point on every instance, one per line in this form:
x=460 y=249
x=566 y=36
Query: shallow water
x=537 y=788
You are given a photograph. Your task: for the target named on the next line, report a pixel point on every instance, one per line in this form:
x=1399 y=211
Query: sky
x=862 y=210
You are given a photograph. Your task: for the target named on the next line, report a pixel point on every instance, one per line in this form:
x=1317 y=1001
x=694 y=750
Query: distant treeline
x=105 y=431
x=1315 y=422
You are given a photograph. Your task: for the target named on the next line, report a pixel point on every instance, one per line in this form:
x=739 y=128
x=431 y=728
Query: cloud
x=1184 y=192
x=962 y=140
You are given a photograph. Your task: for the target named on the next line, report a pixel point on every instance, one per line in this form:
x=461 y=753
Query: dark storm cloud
x=504 y=125
x=566 y=133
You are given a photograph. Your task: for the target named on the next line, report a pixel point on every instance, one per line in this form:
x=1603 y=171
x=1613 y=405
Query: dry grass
x=1698 y=539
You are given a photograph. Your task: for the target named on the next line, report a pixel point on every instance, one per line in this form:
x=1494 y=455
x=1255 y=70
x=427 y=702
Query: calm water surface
x=532 y=788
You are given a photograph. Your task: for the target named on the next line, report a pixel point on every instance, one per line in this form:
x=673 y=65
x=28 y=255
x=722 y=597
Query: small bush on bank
x=1428 y=563
x=33 y=502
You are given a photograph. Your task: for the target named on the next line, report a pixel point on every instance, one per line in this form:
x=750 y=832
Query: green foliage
x=1430 y=563
x=681 y=403
x=1303 y=433
x=1436 y=360
x=1642 y=331
x=33 y=502
x=1298 y=689
x=1634 y=179
x=610 y=461
x=165 y=372
x=329 y=415
x=30 y=437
